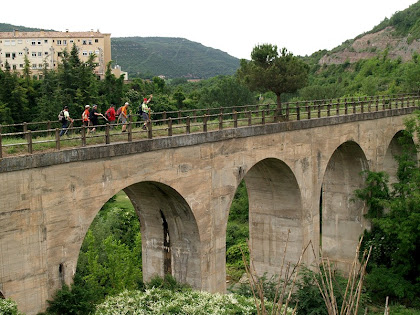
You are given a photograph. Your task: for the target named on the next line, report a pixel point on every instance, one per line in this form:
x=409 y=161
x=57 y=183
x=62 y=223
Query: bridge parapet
x=39 y=137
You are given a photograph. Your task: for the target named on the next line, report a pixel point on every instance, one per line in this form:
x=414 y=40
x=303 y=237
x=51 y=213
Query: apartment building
x=46 y=48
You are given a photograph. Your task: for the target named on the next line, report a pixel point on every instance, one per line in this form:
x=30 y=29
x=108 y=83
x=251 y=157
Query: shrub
x=8 y=307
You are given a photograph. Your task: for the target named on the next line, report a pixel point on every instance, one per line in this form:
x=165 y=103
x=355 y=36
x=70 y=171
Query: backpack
x=119 y=111
x=140 y=109
x=61 y=117
x=107 y=114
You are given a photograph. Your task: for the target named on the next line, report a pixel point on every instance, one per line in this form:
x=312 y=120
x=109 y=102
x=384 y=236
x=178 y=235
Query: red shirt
x=111 y=112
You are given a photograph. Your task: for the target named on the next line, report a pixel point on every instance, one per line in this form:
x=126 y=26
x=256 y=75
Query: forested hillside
x=171 y=57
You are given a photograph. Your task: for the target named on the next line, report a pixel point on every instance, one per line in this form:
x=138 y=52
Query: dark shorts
x=145 y=116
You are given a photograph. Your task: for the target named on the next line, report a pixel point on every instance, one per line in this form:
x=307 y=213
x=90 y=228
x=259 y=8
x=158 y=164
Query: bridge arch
x=275 y=206
x=170 y=238
x=341 y=215
x=394 y=149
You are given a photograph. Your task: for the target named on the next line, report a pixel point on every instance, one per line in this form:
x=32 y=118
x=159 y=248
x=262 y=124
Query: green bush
x=8 y=307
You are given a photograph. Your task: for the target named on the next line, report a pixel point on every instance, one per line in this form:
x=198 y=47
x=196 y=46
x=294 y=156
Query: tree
x=394 y=266
x=272 y=71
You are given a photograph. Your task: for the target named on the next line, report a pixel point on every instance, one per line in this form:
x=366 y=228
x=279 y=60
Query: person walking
x=94 y=117
x=145 y=110
x=65 y=120
x=85 y=117
x=123 y=116
x=110 y=115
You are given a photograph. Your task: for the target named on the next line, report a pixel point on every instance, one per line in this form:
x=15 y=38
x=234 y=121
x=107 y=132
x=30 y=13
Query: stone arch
x=395 y=148
x=275 y=206
x=170 y=237
x=341 y=216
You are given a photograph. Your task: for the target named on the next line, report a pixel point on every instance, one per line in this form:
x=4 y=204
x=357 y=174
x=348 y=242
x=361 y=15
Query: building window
x=39 y=54
x=64 y=42
x=20 y=53
x=21 y=65
x=33 y=43
x=40 y=66
x=13 y=55
x=59 y=54
x=58 y=41
x=7 y=55
x=96 y=40
x=71 y=41
x=13 y=43
x=90 y=52
x=90 y=42
x=46 y=53
x=45 y=41
x=84 y=42
x=39 y=42
x=84 y=53
x=33 y=66
x=34 y=54
x=19 y=41
x=7 y=42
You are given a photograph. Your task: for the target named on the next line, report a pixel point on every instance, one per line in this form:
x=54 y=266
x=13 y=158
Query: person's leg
x=63 y=129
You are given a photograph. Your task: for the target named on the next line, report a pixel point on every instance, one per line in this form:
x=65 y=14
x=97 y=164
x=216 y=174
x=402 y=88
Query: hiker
x=123 y=116
x=94 y=117
x=110 y=115
x=145 y=110
x=85 y=116
x=65 y=118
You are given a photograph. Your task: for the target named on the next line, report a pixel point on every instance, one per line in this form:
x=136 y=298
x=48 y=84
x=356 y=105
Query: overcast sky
x=233 y=26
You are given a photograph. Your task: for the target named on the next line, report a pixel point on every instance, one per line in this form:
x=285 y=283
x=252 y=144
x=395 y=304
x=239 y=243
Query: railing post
x=49 y=128
x=107 y=137
x=25 y=130
x=170 y=127
x=57 y=138
x=329 y=109
x=297 y=111
x=29 y=137
x=179 y=117
x=235 y=120
x=354 y=105
x=188 y=125
x=83 y=136
x=308 y=108
x=263 y=117
x=164 y=115
x=130 y=130
x=383 y=102
x=205 y=123
x=319 y=109
x=287 y=111
x=195 y=115
x=362 y=107
x=377 y=104
x=249 y=118
x=337 y=112
x=370 y=105
x=149 y=129
x=220 y=121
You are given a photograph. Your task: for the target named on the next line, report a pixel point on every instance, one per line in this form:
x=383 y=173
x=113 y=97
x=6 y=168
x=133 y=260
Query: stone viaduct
x=48 y=200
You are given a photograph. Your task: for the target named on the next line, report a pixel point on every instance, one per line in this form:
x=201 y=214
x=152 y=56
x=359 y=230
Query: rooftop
x=51 y=34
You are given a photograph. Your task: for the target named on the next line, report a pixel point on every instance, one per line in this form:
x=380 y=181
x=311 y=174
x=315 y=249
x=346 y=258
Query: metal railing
x=44 y=136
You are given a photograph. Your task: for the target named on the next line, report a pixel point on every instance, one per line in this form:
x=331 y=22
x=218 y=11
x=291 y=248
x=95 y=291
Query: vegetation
x=8 y=307
x=394 y=211
x=147 y=57
x=272 y=71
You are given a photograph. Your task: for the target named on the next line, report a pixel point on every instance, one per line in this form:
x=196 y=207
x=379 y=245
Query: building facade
x=45 y=49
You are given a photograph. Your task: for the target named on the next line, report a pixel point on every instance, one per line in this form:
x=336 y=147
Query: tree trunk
x=279 y=108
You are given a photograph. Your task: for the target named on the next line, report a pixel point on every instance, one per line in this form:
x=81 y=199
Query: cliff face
x=371 y=45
